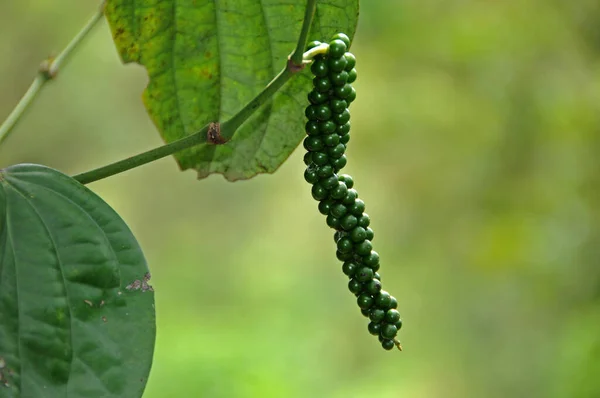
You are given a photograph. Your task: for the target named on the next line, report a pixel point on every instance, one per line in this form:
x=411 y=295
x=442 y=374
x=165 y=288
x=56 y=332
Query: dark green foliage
x=328 y=133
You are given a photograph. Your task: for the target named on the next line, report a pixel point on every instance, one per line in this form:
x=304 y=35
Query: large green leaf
x=207 y=58
x=76 y=310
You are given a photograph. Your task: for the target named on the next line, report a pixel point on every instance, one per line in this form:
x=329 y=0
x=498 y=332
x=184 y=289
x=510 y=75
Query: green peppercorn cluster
x=328 y=133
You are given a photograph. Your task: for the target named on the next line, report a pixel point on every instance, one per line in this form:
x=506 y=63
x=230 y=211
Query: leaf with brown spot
x=205 y=62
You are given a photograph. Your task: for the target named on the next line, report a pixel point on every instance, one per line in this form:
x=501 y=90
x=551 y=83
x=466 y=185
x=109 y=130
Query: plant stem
x=16 y=114
x=313 y=52
x=227 y=128
x=48 y=70
x=143 y=158
x=311 y=6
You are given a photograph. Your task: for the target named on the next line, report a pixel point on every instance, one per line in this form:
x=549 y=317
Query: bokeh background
x=476 y=146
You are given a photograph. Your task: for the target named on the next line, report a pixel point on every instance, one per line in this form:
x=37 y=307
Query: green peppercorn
x=337 y=65
x=337 y=151
x=357 y=208
x=343 y=256
x=331 y=140
x=389 y=331
x=339 y=78
x=350 y=61
x=349 y=268
x=308 y=158
x=311 y=176
x=325 y=206
x=363 y=248
x=391 y=317
x=339 y=163
x=344 y=245
x=325 y=171
x=371 y=260
x=382 y=300
x=327 y=126
x=377 y=315
x=365 y=301
x=320 y=158
x=330 y=182
x=351 y=75
x=341 y=118
x=339 y=235
x=319 y=192
x=322 y=84
x=339 y=192
x=373 y=287
x=312 y=127
x=337 y=105
x=364 y=220
x=333 y=222
x=313 y=144
x=346 y=179
x=342 y=37
x=323 y=112
x=351 y=96
x=351 y=196
x=354 y=286
x=317 y=98
x=348 y=222
x=328 y=132
x=388 y=344
x=343 y=129
x=319 y=68
x=364 y=274
x=311 y=112
x=342 y=91
x=338 y=210
x=374 y=328
x=358 y=234
x=337 y=48
x=399 y=324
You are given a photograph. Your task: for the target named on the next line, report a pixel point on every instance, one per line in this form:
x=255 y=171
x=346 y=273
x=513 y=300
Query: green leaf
x=71 y=323
x=207 y=59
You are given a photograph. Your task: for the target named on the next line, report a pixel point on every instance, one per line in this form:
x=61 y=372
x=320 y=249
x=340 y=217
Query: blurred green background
x=476 y=146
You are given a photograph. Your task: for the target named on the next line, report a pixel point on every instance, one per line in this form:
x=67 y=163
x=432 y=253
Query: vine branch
x=213 y=133
x=47 y=71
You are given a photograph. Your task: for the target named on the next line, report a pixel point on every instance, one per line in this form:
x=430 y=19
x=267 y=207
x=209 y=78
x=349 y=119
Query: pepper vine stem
x=47 y=71
x=227 y=129
x=311 y=8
